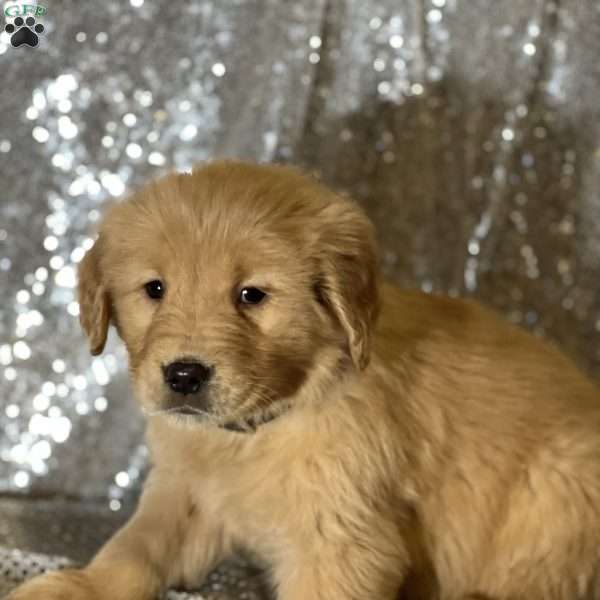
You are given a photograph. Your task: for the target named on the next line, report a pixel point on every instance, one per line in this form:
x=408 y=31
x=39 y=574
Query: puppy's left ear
x=94 y=302
x=348 y=282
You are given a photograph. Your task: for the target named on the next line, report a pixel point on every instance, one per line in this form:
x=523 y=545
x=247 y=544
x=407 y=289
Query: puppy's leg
x=169 y=541
x=322 y=585
x=343 y=577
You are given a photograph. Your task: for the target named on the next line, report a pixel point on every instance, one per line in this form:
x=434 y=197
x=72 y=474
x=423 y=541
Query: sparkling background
x=469 y=129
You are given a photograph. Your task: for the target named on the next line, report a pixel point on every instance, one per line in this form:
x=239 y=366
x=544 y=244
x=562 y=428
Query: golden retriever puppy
x=363 y=442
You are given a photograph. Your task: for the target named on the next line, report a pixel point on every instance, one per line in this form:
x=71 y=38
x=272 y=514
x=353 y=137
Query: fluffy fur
x=435 y=452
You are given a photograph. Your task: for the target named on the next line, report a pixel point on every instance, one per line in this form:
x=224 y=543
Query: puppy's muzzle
x=188 y=379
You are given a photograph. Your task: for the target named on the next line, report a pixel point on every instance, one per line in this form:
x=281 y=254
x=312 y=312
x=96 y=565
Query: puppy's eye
x=252 y=295
x=155 y=289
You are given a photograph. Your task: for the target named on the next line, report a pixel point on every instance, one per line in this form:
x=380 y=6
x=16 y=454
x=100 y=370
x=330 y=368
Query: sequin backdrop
x=469 y=130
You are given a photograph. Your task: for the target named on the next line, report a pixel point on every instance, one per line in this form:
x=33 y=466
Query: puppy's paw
x=62 y=585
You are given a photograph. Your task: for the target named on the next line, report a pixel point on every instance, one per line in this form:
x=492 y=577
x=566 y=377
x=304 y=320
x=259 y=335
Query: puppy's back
x=511 y=468
x=479 y=350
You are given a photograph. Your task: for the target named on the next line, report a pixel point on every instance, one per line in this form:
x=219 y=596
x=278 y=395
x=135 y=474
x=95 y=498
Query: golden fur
x=433 y=452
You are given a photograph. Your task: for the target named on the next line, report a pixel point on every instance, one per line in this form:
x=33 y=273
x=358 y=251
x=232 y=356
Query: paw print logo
x=24 y=32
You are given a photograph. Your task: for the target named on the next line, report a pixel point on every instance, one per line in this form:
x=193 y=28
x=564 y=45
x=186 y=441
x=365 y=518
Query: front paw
x=71 y=584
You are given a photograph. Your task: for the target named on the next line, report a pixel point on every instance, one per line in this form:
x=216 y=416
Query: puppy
x=363 y=442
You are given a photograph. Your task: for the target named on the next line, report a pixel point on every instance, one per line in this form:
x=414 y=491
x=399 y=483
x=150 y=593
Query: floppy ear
x=94 y=302
x=349 y=272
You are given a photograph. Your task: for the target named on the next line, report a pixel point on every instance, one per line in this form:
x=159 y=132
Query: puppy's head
x=238 y=290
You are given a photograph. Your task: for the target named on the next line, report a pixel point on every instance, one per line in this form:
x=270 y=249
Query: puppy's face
x=237 y=289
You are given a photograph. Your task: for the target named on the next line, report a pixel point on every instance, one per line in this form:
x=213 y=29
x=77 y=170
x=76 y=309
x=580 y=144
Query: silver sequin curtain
x=469 y=130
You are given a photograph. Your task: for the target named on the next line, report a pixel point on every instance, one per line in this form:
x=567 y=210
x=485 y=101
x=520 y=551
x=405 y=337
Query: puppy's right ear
x=94 y=301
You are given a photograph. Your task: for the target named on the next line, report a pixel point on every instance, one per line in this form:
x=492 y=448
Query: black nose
x=186 y=377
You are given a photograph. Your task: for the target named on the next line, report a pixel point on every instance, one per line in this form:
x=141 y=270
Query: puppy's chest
x=271 y=503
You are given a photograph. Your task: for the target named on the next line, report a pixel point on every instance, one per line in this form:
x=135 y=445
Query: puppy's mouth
x=188 y=410
x=202 y=410
x=183 y=410
x=243 y=424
